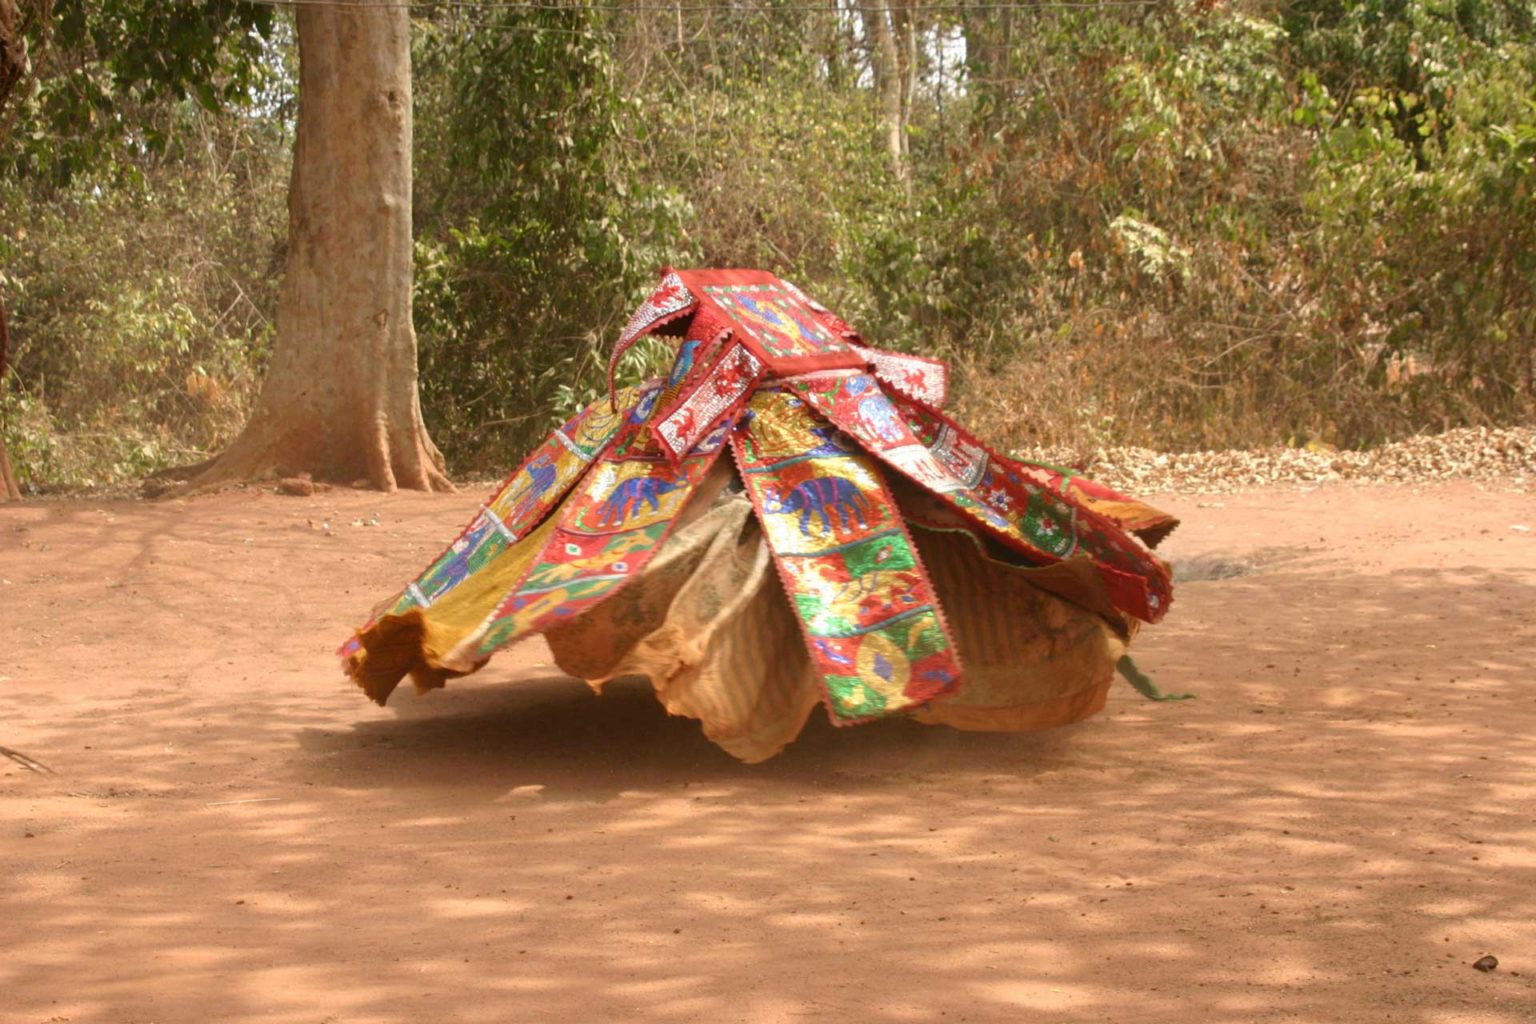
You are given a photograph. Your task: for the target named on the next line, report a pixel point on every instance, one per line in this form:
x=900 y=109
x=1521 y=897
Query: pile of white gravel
x=1506 y=456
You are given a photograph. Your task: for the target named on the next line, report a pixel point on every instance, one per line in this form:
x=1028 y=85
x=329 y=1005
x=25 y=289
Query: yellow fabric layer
x=708 y=623
x=416 y=641
x=1148 y=523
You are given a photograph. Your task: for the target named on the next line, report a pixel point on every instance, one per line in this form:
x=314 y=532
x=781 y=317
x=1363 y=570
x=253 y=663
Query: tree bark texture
x=7 y=478
x=340 y=399
x=833 y=47
x=17 y=66
x=883 y=55
x=904 y=18
x=13 y=70
x=13 y=60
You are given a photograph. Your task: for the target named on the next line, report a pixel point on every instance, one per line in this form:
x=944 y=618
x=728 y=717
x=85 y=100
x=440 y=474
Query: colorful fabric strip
x=999 y=494
x=1146 y=522
x=714 y=396
x=610 y=528
x=670 y=300
x=925 y=381
x=871 y=621
x=1053 y=505
x=520 y=503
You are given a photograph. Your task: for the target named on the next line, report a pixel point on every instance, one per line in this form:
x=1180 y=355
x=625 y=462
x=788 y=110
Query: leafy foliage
x=1189 y=224
x=107 y=67
x=533 y=234
x=1430 y=240
x=141 y=314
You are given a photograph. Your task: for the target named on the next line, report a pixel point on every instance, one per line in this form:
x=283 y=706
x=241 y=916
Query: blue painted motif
x=829 y=652
x=684 y=362
x=541 y=477
x=878 y=412
x=822 y=497
x=642 y=409
x=780 y=318
x=630 y=495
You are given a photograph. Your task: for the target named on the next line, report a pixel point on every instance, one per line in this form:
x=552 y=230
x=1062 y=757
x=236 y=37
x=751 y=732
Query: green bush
x=141 y=309
x=534 y=235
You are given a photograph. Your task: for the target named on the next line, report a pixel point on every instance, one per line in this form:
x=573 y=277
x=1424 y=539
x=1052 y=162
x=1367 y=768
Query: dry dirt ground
x=1333 y=832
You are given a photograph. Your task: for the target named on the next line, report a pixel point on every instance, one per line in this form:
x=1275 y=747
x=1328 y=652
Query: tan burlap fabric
x=709 y=625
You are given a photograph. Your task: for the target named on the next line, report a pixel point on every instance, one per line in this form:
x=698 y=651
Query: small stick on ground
x=30 y=764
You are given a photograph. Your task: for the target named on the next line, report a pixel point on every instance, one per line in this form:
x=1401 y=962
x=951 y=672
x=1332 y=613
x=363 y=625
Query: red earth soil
x=1340 y=825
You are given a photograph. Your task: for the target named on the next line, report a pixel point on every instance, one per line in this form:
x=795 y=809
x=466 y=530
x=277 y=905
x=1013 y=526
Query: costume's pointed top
x=749 y=326
x=773 y=319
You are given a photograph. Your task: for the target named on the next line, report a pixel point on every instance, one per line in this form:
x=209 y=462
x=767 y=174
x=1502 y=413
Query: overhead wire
x=920 y=6
x=679 y=8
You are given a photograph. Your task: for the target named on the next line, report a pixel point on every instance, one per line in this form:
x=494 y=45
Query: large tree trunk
x=904 y=18
x=829 y=38
x=340 y=399
x=13 y=60
x=13 y=69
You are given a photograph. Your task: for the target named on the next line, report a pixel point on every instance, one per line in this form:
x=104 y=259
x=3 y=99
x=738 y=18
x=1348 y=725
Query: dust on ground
x=1335 y=831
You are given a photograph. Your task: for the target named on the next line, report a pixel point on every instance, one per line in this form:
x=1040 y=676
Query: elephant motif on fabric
x=825 y=497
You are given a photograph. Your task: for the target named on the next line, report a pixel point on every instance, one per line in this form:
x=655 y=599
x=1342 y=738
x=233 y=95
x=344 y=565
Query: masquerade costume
x=788 y=518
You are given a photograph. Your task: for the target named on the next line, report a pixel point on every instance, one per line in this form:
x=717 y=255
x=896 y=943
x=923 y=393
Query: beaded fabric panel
x=925 y=381
x=625 y=507
x=519 y=504
x=774 y=321
x=668 y=302
x=871 y=621
x=716 y=395
x=1043 y=525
